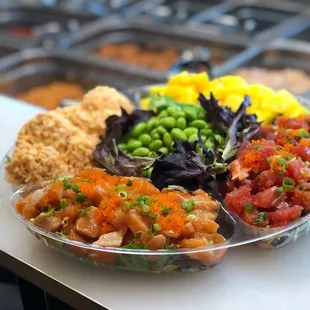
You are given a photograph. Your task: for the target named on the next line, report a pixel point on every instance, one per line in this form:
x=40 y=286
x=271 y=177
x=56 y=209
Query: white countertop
x=247 y=278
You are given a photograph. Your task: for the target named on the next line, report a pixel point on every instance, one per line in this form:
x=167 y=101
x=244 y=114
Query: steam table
x=247 y=278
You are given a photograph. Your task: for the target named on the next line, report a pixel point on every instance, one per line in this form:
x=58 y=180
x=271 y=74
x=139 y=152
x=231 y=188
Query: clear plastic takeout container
x=236 y=232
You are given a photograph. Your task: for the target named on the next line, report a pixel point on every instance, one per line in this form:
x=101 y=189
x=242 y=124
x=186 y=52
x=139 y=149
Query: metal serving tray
x=42 y=19
x=281 y=54
x=35 y=67
x=178 y=11
x=249 y=17
x=143 y=32
x=100 y=8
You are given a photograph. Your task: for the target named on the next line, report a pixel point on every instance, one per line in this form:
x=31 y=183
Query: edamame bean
x=122 y=146
x=181 y=123
x=201 y=114
x=145 y=139
x=200 y=124
x=150 y=124
x=141 y=151
x=206 y=132
x=173 y=109
x=138 y=129
x=133 y=144
x=208 y=144
x=156 y=145
x=155 y=136
x=162 y=114
x=193 y=137
x=190 y=131
x=164 y=150
x=190 y=113
x=168 y=141
x=178 y=114
x=167 y=122
x=153 y=131
x=178 y=134
x=219 y=139
x=161 y=130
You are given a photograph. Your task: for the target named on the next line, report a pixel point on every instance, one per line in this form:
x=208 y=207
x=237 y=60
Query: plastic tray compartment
x=282 y=55
x=159 y=37
x=251 y=19
x=21 y=72
x=178 y=11
x=33 y=21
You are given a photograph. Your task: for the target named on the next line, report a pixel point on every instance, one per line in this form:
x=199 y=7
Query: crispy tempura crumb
x=61 y=142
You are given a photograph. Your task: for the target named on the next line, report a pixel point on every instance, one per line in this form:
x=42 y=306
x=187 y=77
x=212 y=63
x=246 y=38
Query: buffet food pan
x=178 y=11
x=37 y=20
x=288 y=64
x=34 y=67
x=249 y=18
x=104 y=39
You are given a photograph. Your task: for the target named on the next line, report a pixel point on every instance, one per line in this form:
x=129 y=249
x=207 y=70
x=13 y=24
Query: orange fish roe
x=304 y=142
x=277 y=163
x=285 y=154
x=252 y=159
x=258 y=142
x=173 y=224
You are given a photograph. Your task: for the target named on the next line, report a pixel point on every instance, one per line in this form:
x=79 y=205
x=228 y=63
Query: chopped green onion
x=83 y=212
x=145 y=208
x=119 y=188
x=49 y=213
x=260 y=217
x=129 y=182
x=86 y=180
x=282 y=162
x=301 y=186
x=191 y=216
x=157 y=227
x=76 y=187
x=249 y=207
x=151 y=215
x=302 y=133
x=63 y=203
x=66 y=184
x=138 y=235
x=288 y=184
x=188 y=205
x=210 y=242
x=81 y=197
x=280 y=190
x=7 y=159
x=123 y=194
x=307 y=163
x=122 y=208
x=165 y=210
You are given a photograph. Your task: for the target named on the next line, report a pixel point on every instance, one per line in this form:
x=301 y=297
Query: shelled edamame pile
x=171 y=121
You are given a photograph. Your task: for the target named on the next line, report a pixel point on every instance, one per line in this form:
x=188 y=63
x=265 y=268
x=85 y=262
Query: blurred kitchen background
x=52 y=51
x=66 y=47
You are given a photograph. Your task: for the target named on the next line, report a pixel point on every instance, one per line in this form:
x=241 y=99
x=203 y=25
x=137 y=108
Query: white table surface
x=247 y=278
